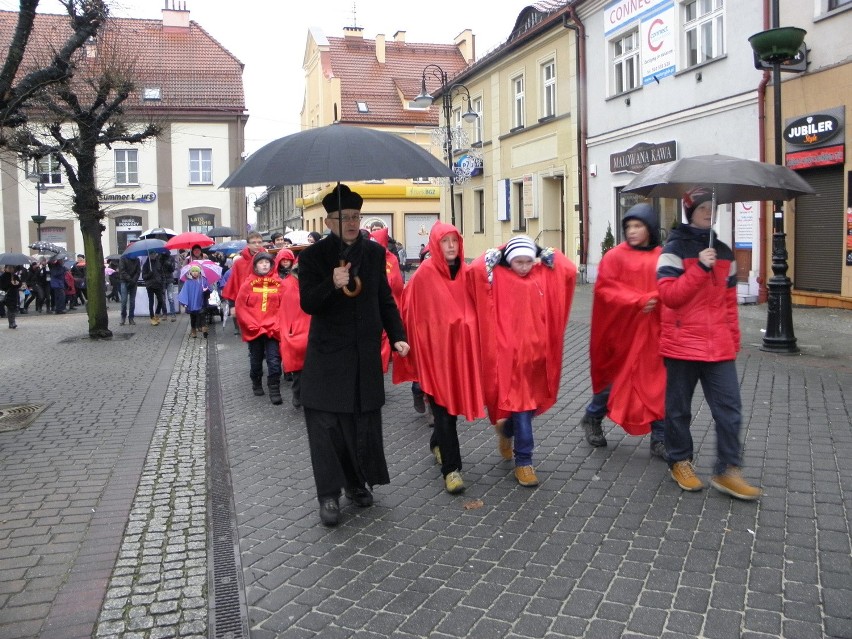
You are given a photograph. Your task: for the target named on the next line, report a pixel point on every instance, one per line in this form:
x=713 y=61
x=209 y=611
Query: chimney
x=176 y=17
x=399 y=36
x=465 y=42
x=353 y=32
x=380 y=47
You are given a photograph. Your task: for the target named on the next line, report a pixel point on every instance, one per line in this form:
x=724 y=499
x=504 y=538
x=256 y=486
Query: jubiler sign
x=642 y=155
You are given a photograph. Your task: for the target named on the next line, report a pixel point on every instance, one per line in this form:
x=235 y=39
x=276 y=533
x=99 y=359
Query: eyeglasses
x=346 y=218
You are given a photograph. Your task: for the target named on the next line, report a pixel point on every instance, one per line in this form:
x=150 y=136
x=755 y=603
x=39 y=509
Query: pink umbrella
x=188 y=240
x=209 y=270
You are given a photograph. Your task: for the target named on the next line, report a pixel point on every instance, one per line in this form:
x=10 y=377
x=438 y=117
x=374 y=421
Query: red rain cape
x=396 y=284
x=242 y=269
x=257 y=307
x=624 y=346
x=440 y=321
x=522 y=324
x=292 y=320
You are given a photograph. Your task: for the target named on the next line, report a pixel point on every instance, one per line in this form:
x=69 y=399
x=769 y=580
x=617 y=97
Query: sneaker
x=360 y=496
x=437 y=453
x=454 y=482
x=684 y=474
x=733 y=483
x=526 y=476
x=594 y=433
x=419 y=402
x=504 y=444
x=330 y=511
x=658 y=449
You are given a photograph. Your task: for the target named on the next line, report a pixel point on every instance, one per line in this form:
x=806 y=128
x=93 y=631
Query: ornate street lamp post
x=774 y=47
x=424 y=100
x=37 y=219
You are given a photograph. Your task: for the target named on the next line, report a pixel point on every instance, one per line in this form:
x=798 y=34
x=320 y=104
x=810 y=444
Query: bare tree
x=69 y=120
x=86 y=17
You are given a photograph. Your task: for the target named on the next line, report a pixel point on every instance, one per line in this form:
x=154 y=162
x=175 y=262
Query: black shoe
x=121 y=323
x=257 y=387
x=131 y=321
x=594 y=433
x=329 y=511
x=360 y=496
x=22 y=311
x=419 y=403
x=13 y=326
x=658 y=449
x=65 y=312
x=297 y=403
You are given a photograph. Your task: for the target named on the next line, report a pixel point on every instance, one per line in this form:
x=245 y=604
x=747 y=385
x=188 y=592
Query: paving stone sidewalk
x=607 y=546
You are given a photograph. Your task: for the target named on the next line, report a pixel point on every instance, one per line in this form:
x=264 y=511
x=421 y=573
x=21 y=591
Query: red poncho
x=292 y=320
x=522 y=324
x=396 y=283
x=624 y=347
x=257 y=305
x=440 y=321
x=242 y=269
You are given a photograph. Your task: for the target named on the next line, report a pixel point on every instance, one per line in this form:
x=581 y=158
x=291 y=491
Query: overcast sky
x=269 y=37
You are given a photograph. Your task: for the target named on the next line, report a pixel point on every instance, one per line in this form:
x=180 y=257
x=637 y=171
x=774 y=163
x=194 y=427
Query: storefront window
x=127 y=230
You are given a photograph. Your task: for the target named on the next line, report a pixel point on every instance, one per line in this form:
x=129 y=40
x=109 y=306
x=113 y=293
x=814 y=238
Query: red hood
x=381 y=236
x=439 y=230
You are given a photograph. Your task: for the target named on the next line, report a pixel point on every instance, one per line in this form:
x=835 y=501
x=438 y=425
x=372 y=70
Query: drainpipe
x=762 y=295
x=582 y=129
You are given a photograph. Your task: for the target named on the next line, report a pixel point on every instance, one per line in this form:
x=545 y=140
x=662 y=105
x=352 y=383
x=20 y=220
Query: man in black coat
x=129 y=270
x=342 y=381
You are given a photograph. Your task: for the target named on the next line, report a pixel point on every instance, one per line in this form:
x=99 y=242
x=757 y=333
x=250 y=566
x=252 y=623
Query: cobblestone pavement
x=606 y=546
x=102 y=501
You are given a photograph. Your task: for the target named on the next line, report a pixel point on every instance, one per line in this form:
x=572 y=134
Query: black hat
x=344 y=196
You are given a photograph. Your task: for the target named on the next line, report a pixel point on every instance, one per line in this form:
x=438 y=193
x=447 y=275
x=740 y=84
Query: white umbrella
x=297 y=237
x=159 y=230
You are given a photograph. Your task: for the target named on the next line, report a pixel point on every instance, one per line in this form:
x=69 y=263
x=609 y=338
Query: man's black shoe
x=419 y=402
x=360 y=496
x=329 y=511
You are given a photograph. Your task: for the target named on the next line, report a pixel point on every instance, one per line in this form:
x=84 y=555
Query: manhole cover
x=17 y=416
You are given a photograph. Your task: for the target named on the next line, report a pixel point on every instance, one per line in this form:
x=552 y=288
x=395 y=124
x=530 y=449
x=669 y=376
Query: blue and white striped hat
x=519 y=246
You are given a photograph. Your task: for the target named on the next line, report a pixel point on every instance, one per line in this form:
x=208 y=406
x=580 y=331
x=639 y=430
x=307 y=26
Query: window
x=459 y=210
x=836 y=4
x=126 y=166
x=200 y=166
x=520 y=222
x=548 y=83
x=518 y=104
x=625 y=62
x=479 y=211
x=49 y=170
x=704 y=29
x=476 y=106
x=362 y=107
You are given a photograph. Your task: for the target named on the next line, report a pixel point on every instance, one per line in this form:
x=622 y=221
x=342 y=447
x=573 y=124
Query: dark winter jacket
x=699 y=317
x=344 y=343
x=129 y=269
x=152 y=272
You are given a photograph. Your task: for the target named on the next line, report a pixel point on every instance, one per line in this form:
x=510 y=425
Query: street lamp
x=424 y=100
x=38 y=219
x=774 y=47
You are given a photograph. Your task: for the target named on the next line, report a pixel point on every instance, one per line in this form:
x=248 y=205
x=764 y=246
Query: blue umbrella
x=143 y=247
x=227 y=248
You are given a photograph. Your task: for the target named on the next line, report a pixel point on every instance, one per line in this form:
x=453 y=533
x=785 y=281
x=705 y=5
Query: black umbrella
x=113 y=256
x=41 y=246
x=336 y=153
x=222 y=231
x=14 y=259
x=730 y=179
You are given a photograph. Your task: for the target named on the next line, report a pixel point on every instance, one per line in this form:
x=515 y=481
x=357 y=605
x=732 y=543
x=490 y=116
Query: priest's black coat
x=343 y=363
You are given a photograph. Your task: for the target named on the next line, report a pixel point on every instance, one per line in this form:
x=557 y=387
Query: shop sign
x=825 y=156
x=642 y=155
x=113 y=198
x=811 y=130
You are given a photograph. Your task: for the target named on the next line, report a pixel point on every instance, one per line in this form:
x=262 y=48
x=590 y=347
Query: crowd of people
x=475 y=339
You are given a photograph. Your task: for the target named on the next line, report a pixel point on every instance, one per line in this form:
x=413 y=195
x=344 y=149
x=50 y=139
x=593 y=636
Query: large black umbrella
x=336 y=153
x=222 y=231
x=731 y=179
x=14 y=259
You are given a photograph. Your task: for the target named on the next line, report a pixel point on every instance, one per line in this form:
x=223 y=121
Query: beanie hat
x=342 y=197
x=519 y=246
x=194 y=269
x=694 y=197
x=261 y=255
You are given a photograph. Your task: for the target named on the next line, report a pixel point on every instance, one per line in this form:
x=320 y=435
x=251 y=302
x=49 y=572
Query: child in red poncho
x=628 y=376
x=293 y=322
x=523 y=297
x=440 y=321
x=257 y=304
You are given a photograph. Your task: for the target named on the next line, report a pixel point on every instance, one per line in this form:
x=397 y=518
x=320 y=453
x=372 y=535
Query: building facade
x=188 y=84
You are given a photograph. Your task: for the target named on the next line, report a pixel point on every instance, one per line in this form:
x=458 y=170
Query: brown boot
x=193 y=333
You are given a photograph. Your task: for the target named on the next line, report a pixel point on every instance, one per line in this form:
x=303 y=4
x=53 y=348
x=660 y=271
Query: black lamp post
x=775 y=46
x=38 y=219
x=424 y=100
